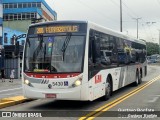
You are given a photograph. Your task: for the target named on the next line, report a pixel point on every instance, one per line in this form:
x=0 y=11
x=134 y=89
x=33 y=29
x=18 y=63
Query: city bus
x=79 y=60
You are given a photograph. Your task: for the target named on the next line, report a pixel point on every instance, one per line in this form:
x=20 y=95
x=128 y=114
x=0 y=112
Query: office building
x=18 y=15
x=1 y=19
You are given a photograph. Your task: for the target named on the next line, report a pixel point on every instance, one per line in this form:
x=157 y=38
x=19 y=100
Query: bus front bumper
x=58 y=94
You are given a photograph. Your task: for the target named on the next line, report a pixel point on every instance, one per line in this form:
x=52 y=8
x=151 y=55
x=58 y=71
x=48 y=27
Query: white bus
x=80 y=60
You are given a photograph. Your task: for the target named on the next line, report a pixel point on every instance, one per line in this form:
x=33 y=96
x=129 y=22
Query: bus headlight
x=77 y=82
x=26 y=82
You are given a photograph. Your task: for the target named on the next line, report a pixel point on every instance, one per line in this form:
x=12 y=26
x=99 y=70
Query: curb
x=6 y=102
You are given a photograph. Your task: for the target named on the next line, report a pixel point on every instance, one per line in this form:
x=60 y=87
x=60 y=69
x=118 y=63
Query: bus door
x=94 y=67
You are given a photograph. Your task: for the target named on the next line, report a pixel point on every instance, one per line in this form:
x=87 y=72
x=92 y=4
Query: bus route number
x=40 y=30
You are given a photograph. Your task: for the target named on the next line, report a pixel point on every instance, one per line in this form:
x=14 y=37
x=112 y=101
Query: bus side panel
x=85 y=91
x=144 y=69
x=97 y=82
x=121 y=77
x=130 y=74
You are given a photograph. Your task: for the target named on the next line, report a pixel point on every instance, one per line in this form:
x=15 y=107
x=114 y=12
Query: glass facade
x=21 y=5
x=20 y=10
x=19 y=16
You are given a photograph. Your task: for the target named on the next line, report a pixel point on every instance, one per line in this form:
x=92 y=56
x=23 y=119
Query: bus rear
x=53 y=64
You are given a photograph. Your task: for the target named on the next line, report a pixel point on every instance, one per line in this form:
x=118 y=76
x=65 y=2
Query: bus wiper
x=44 y=52
x=65 y=44
x=37 y=50
x=28 y=41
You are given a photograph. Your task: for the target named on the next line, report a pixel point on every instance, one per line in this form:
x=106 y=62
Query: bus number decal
x=65 y=83
x=57 y=83
x=98 y=79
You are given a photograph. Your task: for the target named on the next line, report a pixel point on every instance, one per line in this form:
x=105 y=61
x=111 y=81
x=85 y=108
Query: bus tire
x=145 y=70
x=140 y=78
x=137 y=79
x=108 y=89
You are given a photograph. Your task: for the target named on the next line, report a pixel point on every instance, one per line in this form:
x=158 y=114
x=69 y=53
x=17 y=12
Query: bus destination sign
x=57 y=29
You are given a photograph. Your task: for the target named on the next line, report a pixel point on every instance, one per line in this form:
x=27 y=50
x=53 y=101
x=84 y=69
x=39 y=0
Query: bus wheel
x=137 y=79
x=108 y=89
x=140 y=78
x=145 y=70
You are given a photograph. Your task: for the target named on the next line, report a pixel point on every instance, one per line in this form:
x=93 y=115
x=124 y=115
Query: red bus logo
x=98 y=79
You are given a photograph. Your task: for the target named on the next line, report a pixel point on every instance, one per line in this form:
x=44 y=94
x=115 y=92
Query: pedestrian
x=12 y=75
x=3 y=75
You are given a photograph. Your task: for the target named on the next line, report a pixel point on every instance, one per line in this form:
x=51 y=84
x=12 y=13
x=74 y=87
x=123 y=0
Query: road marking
x=10 y=94
x=153 y=100
x=97 y=114
x=106 y=107
x=10 y=89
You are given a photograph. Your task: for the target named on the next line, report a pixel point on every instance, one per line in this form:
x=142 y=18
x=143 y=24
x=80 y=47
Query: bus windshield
x=54 y=54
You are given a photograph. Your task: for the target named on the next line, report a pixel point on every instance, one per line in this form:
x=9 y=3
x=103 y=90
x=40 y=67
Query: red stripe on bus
x=35 y=75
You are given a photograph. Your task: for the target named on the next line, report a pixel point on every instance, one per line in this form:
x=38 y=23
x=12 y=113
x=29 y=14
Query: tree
x=152 y=48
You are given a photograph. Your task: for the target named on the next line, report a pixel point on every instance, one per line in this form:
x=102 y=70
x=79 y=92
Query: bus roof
x=115 y=33
x=96 y=27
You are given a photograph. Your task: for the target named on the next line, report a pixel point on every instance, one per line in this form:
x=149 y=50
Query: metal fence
x=10 y=64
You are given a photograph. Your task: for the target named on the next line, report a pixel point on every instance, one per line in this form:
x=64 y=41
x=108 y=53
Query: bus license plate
x=50 y=95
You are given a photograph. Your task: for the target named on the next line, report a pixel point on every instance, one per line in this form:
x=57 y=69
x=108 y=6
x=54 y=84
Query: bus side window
x=94 y=49
x=90 y=52
x=113 y=49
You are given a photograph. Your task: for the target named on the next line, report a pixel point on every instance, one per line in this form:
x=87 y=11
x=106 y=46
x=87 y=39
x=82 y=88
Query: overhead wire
x=127 y=10
x=158 y=2
x=142 y=19
x=104 y=15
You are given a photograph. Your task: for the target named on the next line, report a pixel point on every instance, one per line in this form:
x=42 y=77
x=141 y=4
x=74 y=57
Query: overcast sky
x=107 y=13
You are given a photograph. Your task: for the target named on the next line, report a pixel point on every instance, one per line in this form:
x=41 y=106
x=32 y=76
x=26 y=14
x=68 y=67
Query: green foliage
x=152 y=48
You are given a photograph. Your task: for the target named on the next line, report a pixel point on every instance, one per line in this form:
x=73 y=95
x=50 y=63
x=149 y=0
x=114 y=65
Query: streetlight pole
x=137 y=25
x=159 y=42
x=121 y=15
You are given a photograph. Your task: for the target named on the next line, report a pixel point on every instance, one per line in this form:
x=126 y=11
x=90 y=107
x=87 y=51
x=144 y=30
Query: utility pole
x=121 y=15
x=159 y=42
x=137 y=25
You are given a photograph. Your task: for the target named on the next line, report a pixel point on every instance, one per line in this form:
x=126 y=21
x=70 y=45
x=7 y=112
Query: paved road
x=8 y=89
x=147 y=98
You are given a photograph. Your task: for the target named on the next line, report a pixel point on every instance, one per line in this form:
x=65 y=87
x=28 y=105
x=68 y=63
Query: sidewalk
x=10 y=89
x=11 y=93
x=9 y=85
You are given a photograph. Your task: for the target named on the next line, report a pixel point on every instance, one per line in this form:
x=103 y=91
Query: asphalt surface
x=148 y=98
x=9 y=89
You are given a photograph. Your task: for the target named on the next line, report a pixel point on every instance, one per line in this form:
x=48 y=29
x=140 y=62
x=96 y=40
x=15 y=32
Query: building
x=1 y=48
x=19 y=14
x=1 y=18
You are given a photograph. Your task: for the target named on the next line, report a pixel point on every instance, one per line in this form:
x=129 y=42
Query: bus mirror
x=16 y=49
